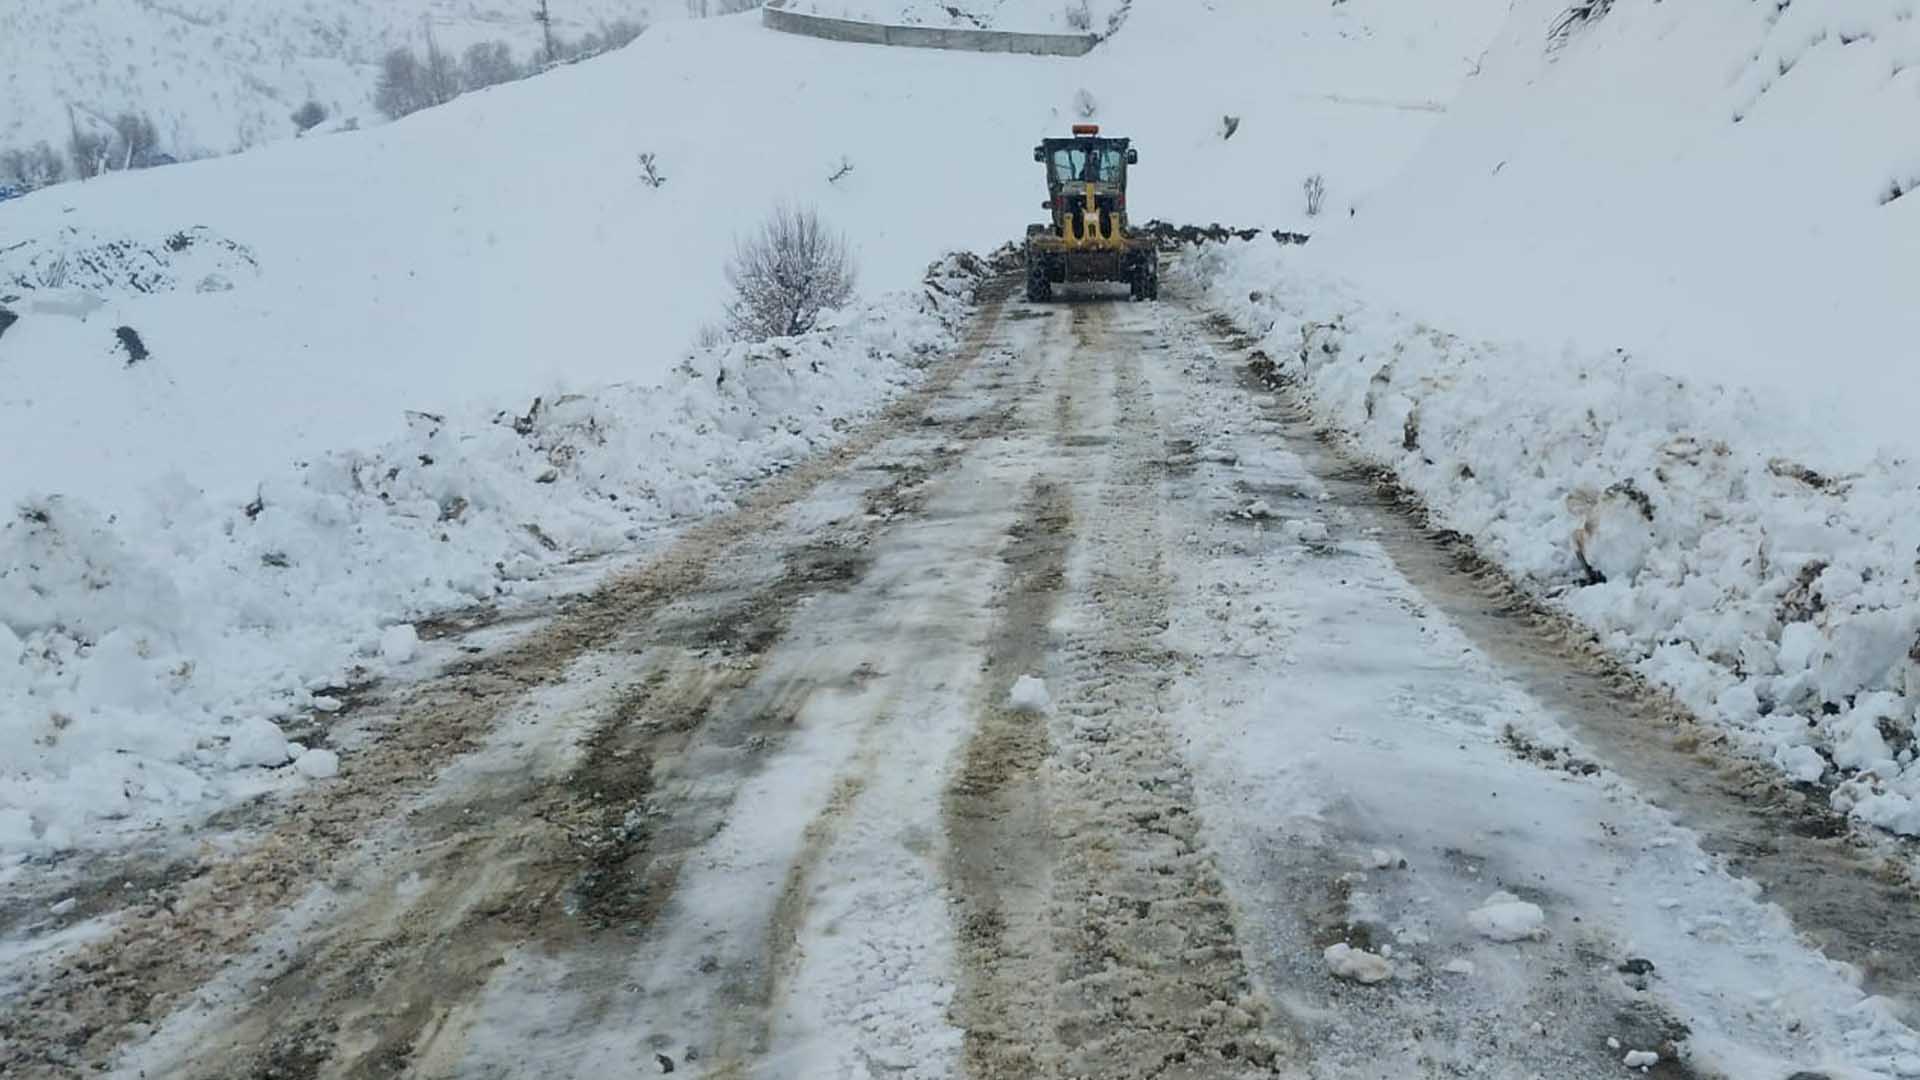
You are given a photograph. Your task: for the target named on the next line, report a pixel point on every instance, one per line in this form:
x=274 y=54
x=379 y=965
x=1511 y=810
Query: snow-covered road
x=1083 y=717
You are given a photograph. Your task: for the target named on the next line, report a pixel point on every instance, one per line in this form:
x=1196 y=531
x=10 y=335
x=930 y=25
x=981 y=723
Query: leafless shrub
x=1079 y=17
x=841 y=171
x=709 y=336
x=36 y=167
x=401 y=89
x=309 y=116
x=785 y=274
x=1578 y=14
x=1228 y=125
x=1315 y=189
x=488 y=63
x=1084 y=105
x=650 y=171
x=88 y=152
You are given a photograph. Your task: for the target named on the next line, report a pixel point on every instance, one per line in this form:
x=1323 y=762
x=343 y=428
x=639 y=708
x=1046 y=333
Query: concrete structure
x=776 y=15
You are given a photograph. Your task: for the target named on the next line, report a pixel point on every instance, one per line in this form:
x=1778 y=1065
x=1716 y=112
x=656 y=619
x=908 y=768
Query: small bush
x=1079 y=17
x=650 y=171
x=33 y=168
x=309 y=116
x=1315 y=189
x=785 y=274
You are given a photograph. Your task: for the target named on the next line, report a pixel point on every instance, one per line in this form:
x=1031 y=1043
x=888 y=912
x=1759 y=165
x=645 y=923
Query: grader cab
x=1088 y=238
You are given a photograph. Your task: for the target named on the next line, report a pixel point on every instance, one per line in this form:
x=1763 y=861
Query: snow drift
x=144 y=653
x=1777 y=599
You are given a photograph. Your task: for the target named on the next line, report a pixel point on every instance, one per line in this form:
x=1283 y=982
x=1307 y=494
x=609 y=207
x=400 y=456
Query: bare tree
x=136 y=142
x=309 y=116
x=440 y=76
x=545 y=18
x=785 y=274
x=87 y=151
x=488 y=63
x=401 y=89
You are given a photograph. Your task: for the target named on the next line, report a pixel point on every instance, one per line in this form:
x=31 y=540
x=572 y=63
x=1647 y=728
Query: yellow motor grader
x=1088 y=239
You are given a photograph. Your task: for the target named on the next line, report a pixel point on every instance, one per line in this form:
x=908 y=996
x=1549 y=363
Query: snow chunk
x=257 y=742
x=1029 y=695
x=1358 y=965
x=1459 y=967
x=1640 y=1059
x=318 y=764
x=1802 y=763
x=1305 y=531
x=1506 y=917
x=398 y=644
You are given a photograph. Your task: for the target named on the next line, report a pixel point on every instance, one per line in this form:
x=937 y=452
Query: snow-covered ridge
x=1774 y=595
x=144 y=654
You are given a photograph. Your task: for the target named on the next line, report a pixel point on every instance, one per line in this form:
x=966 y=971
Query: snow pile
x=144 y=654
x=1506 y=917
x=1724 y=548
x=1029 y=695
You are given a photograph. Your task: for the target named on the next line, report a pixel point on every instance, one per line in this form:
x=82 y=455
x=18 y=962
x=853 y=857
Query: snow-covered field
x=304 y=311
x=1680 y=519
x=221 y=75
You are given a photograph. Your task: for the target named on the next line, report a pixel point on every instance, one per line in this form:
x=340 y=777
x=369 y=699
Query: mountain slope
x=1715 y=187
x=219 y=75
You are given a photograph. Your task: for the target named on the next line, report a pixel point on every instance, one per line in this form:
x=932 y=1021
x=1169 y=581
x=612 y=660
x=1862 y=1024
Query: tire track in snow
x=188 y=935
x=1096 y=938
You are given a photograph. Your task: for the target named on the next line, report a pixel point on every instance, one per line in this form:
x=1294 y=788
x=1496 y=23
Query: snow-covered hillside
x=1716 y=187
x=304 y=311
x=219 y=75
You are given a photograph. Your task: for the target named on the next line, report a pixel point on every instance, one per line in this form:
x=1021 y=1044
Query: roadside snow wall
x=144 y=653
x=1776 y=599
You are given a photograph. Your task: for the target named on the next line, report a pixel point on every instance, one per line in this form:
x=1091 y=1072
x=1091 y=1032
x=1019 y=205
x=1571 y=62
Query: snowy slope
x=426 y=263
x=295 y=303
x=1709 y=186
x=218 y=75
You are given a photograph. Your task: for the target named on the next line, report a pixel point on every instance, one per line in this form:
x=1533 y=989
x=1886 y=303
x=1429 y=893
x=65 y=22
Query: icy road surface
x=1085 y=716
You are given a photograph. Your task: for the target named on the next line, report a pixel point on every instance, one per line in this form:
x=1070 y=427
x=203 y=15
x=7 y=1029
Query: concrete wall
x=776 y=16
